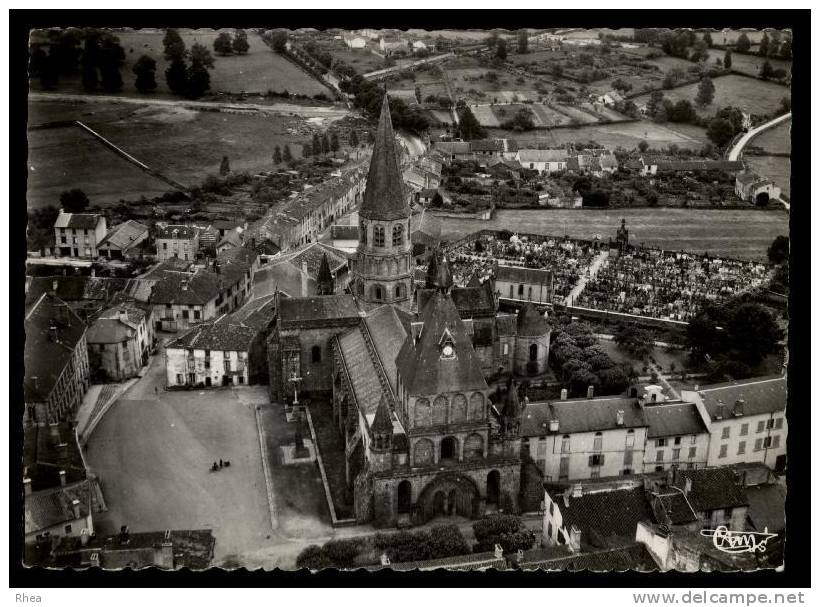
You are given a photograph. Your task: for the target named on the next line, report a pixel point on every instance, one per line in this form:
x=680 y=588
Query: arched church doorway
x=493 y=487
x=405 y=499
x=449 y=448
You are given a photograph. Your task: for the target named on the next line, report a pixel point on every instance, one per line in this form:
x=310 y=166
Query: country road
x=304 y=111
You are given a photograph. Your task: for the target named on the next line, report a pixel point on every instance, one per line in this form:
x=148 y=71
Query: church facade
x=411 y=375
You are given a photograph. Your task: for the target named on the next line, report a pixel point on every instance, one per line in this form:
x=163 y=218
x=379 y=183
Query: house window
x=398 y=235
x=723 y=450
x=693 y=451
x=505 y=349
x=552 y=509
x=725 y=433
x=511 y=291
x=521 y=290
x=761 y=426
x=658 y=468
x=595 y=473
x=378 y=236
x=227 y=365
x=677 y=440
x=660 y=442
x=596 y=459
x=529 y=293
x=196 y=314
x=598 y=442
x=164 y=246
x=744 y=429
x=565 y=444
x=363 y=234
x=767 y=442
x=185 y=314
x=778 y=423
x=769 y=424
x=179 y=379
x=675 y=455
x=316 y=354
x=549 y=525
x=630 y=438
x=741 y=447
x=758 y=444
x=68 y=528
x=775 y=441
x=659 y=456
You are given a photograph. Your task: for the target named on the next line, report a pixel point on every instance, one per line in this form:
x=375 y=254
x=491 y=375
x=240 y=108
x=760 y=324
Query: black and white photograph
x=499 y=298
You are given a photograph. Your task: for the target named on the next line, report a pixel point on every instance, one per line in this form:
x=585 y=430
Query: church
x=420 y=381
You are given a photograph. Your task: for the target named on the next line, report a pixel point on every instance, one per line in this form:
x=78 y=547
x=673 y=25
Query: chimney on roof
x=574 y=538
x=123 y=315
x=721 y=410
x=687 y=487
x=619 y=417
x=577 y=490
x=739 y=407
x=53 y=332
x=54 y=285
x=84 y=537
x=62 y=478
x=554 y=424
x=498 y=551
x=384 y=560
x=563 y=394
x=27 y=486
x=124 y=539
x=75 y=507
x=590 y=391
x=184 y=285
x=304 y=278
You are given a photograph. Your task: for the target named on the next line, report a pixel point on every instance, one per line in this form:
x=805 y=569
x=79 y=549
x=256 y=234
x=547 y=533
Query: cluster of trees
x=770 y=46
x=282 y=155
x=581 y=362
x=634 y=340
x=506 y=530
x=779 y=256
x=187 y=75
x=225 y=45
x=440 y=541
x=468 y=127
x=321 y=145
x=368 y=97
x=521 y=121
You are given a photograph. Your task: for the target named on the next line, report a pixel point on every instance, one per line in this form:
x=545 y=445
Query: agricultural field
x=257 y=71
x=362 y=60
x=549 y=115
x=749 y=94
x=777 y=168
x=731 y=233
x=749 y=64
x=184 y=144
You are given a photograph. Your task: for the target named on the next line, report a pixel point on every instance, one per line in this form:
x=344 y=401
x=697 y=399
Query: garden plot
x=508 y=111
x=749 y=64
x=576 y=115
x=549 y=116
x=485 y=115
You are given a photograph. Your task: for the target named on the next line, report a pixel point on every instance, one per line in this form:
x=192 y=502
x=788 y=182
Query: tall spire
x=384 y=197
x=324 y=280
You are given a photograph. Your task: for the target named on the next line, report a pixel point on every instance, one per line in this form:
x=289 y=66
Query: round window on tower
x=447 y=351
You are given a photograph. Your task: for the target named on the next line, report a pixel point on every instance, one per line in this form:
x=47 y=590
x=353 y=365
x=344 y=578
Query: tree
x=334 y=141
x=643 y=145
x=753 y=332
x=786 y=49
x=700 y=52
x=277 y=155
x=145 y=68
x=325 y=143
x=223 y=44
x=224 y=166
x=763 y=49
x=279 y=41
x=501 y=49
x=240 y=42
x=621 y=85
x=766 y=70
x=74 y=201
x=682 y=111
x=468 y=127
x=354 y=139
x=286 y=155
x=110 y=58
x=201 y=56
x=743 y=43
x=307 y=149
x=199 y=81
x=174 y=45
x=707 y=38
x=727 y=59
x=176 y=76
x=523 y=42
x=779 y=250
x=706 y=92
x=90 y=59
x=672 y=77
x=655 y=103
x=733 y=115
x=45 y=67
x=635 y=340
x=720 y=131
x=786 y=105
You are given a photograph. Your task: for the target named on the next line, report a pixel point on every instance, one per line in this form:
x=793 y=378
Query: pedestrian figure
x=156 y=390
x=220 y=463
x=214 y=467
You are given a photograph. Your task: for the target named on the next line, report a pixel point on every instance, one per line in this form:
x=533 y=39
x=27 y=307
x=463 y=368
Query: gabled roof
x=452 y=147
x=224 y=333
x=47 y=351
x=559 y=155
x=109 y=331
x=384 y=195
x=77 y=221
x=43 y=460
x=526 y=275
x=676 y=419
x=487 y=145
x=712 y=488
x=767 y=505
x=423 y=370
x=388 y=334
x=319 y=308
x=761 y=395
x=582 y=415
x=124 y=235
x=44 y=509
x=179 y=232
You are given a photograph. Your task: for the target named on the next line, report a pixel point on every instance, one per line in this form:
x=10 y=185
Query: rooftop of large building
x=122 y=236
x=582 y=415
x=674 y=419
x=55 y=506
x=759 y=396
x=77 y=221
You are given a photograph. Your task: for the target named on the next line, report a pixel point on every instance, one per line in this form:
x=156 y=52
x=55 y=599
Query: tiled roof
x=474 y=301
x=178 y=232
x=124 y=235
x=44 y=509
x=559 y=155
x=607 y=518
x=78 y=221
x=257 y=313
x=747 y=178
x=487 y=145
x=761 y=395
x=531 y=323
x=224 y=333
x=232 y=238
x=364 y=377
x=676 y=506
x=388 y=334
x=634 y=557
x=712 y=488
x=452 y=147
x=677 y=419
x=42 y=460
x=319 y=308
x=423 y=370
x=338 y=232
x=384 y=196
x=281 y=276
x=767 y=507
x=44 y=358
x=186 y=289
x=109 y=331
x=582 y=415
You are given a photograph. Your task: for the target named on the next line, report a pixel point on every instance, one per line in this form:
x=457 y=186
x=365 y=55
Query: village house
x=503 y=168
x=120 y=341
x=79 y=234
x=296 y=273
x=419 y=46
x=64 y=511
x=355 y=42
x=610 y=98
x=454 y=150
x=749 y=186
x=746 y=420
x=177 y=241
x=232 y=239
x=56 y=361
x=543 y=161
x=124 y=241
x=677 y=437
x=484 y=149
x=587 y=438
x=524 y=284
x=388 y=46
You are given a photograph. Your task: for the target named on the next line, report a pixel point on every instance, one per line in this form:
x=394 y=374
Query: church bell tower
x=382 y=270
